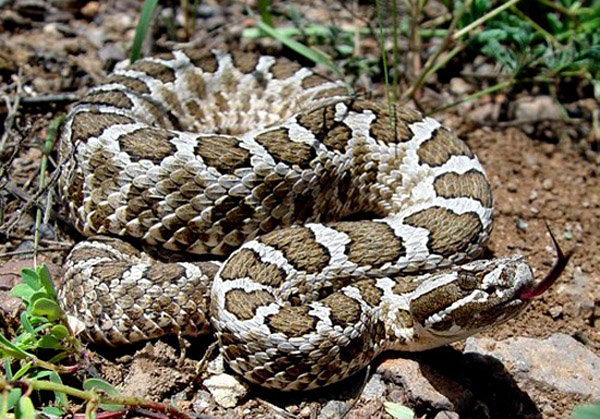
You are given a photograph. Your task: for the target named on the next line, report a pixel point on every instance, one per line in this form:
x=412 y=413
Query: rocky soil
x=542 y=166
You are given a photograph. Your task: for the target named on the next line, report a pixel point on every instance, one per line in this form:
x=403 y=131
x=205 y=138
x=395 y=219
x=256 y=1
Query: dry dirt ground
x=49 y=55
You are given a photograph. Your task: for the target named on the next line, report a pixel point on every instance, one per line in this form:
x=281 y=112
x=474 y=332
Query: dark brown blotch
x=278 y=144
x=300 y=248
x=284 y=68
x=156 y=70
x=92 y=124
x=203 y=59
x=344 y=311
x=246 y=62
x=442 y=145
x=222 y=153
x=147 y=143
x=131 y=83
x=245 y=263
x=471 y=184
x=322 y=124
x=243 y=304
x=115 y=98
x=369 y=291
x=449 y=233
x=389 y=128
x=371 y=243
x=292 y=321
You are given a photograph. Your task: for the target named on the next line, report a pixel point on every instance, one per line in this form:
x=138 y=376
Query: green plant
x=397 y=411
x=32 y=363
x=586 y=412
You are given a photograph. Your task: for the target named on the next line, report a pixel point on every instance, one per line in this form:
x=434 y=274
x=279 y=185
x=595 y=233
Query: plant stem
x=384 y=59
x=93 y=397
x=484 y=18
x=431 y=61
x=48 y=144
x=491 y=89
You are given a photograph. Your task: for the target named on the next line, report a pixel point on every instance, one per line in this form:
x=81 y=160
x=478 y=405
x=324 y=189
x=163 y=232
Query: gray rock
x=419 y=389
x=559 y=362
x=447 y=415
x=538 y=108
x=459 y=87
x=333 y=410
x=375 y=388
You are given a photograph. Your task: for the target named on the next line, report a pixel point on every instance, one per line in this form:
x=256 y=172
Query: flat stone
x=559 y=362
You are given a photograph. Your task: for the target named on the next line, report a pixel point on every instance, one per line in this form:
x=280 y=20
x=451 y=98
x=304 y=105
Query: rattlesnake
x=266 y=162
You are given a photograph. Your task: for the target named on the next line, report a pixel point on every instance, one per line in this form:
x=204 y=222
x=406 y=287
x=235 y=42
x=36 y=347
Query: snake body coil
x=260 y=159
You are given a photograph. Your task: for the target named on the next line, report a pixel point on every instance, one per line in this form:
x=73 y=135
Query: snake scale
x=349 y=227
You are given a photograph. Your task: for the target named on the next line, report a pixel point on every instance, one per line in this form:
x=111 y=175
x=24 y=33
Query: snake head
x=467 y=299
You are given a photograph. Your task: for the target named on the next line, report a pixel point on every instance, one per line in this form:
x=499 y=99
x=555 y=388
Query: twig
x=28 y=251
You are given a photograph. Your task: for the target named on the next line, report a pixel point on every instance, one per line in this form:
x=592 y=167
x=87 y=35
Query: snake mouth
x=557 y=269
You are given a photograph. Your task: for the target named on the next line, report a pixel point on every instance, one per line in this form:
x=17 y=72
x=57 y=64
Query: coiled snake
x=261 y=160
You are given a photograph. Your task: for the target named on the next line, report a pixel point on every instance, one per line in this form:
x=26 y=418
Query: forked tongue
x=551 y=277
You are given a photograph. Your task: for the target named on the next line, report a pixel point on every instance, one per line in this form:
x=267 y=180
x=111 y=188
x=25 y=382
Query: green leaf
x=587 y=412
x=53 y=411
x=142 y=28
x=22 y=291
x=23 y=370
x=25 y=409
x=12 y=350
x=59 y=331
x=97 y=384
x=25 y=323
x=31 y=278
x=61 y=398
x=8 y=368
x=397 y=411
x=46 y=280
x=13 y=397
x=41 y=293
x=46 y=307
x=314 y=55
x=49 y=342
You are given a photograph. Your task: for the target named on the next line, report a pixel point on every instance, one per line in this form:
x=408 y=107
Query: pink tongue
x=552 y=276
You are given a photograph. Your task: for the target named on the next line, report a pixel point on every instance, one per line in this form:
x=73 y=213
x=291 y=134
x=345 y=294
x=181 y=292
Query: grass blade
x=314 y=55
x=142 y=28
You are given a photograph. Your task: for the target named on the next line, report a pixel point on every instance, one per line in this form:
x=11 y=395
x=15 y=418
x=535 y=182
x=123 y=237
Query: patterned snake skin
x=261 y=160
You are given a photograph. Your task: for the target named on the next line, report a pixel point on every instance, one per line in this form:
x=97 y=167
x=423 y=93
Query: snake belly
x=264 y=166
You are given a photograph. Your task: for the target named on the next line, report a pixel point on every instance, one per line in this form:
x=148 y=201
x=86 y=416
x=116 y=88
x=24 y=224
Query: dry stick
x=432 y=60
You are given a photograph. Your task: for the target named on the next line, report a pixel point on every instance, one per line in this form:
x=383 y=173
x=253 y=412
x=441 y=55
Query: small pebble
x=555 y=311
x=521 y=225
x=547 y=184
x=91 y=9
